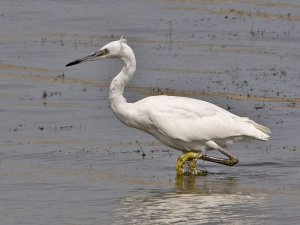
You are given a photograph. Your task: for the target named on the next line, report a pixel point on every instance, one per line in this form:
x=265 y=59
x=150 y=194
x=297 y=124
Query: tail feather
x=265 y=131
x=261 y=127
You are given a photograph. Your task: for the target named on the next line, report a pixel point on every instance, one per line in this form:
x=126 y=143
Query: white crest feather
x=123 y=40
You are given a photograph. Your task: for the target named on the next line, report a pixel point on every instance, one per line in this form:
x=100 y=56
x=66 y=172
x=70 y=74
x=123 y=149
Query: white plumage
x=186 y=124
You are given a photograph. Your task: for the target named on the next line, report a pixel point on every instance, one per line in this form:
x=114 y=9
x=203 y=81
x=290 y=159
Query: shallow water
x=65 y=159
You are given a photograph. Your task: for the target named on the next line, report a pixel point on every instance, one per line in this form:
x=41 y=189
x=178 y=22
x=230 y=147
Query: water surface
x=65 y=159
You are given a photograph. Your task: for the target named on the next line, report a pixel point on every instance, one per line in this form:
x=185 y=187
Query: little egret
x=189 y=125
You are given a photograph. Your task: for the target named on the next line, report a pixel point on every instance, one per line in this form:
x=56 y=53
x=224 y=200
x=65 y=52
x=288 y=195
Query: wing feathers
x=190 y=119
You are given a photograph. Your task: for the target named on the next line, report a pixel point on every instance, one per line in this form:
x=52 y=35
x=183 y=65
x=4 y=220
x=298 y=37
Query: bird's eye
x=106 y=51
x=102 y=52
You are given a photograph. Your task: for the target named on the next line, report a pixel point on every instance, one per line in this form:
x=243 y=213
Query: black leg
x=231 y=161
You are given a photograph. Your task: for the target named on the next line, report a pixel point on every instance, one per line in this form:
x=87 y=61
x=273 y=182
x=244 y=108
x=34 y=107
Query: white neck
x=116 y=90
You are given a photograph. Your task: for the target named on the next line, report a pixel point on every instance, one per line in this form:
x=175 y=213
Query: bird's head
x=110 y=50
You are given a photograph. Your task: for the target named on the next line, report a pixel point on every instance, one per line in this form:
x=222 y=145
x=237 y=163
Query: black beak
x=91 y=57
x=77 y=61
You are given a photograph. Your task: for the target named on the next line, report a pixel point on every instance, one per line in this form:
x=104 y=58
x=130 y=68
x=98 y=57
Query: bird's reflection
x=205 y=185
x=195 y=200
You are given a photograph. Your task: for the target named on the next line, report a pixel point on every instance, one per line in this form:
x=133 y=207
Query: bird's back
x=172 y=119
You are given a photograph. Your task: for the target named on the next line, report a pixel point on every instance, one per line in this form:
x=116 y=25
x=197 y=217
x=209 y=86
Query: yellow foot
x=192 y=158
x=193 y=169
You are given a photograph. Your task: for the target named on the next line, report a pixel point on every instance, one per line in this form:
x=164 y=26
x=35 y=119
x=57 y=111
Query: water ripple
x=186 y=208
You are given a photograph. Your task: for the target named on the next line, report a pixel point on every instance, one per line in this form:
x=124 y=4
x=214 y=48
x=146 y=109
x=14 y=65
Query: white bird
x=186 y=124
